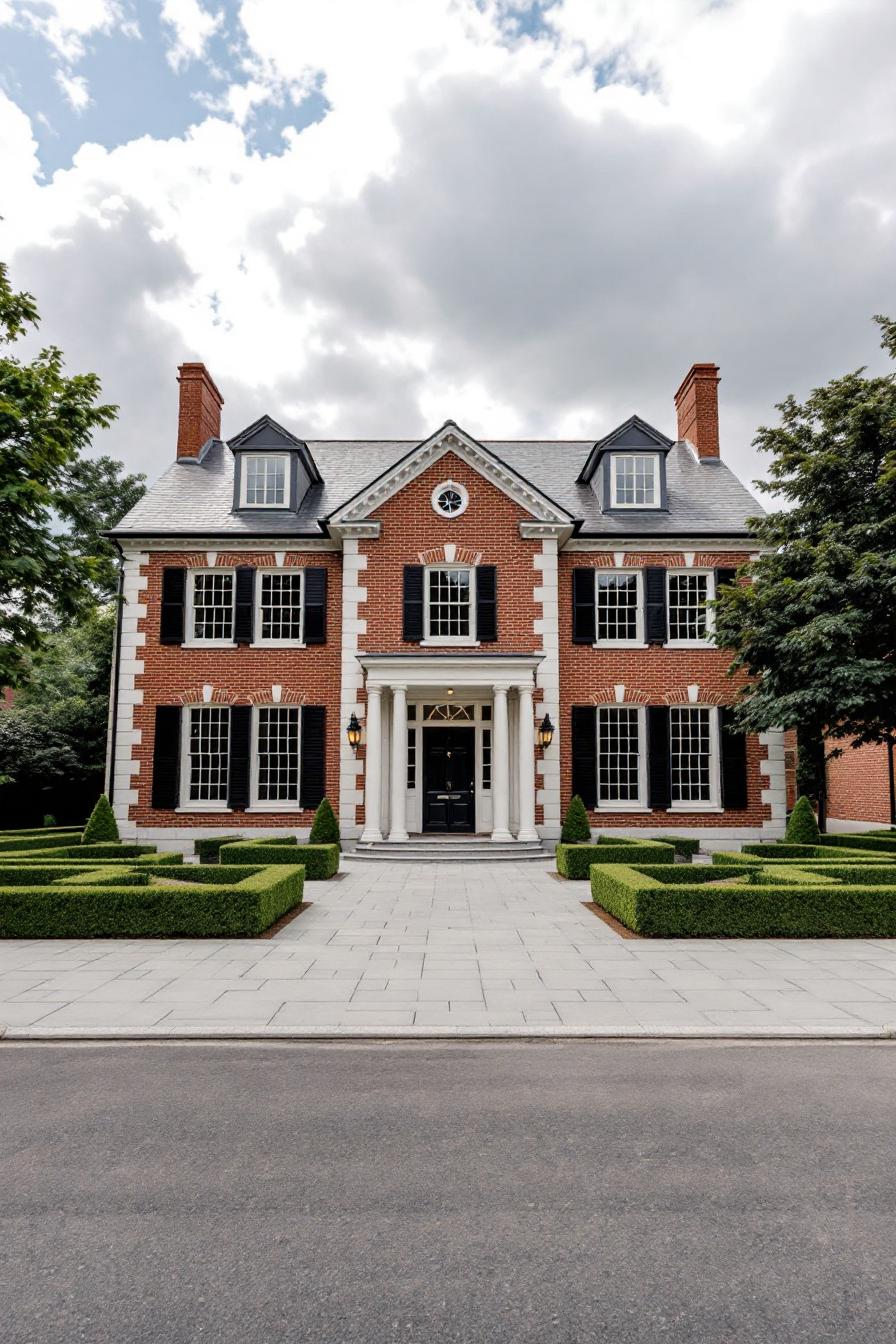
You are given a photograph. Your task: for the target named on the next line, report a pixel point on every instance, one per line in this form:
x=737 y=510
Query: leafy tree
x=101 y=824
x=325 y=827
x=816 y=628
x=576 y=826
x=46 y=419
x=94 y=495
x=802 y=828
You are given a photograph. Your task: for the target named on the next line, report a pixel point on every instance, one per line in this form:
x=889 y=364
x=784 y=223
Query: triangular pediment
x=450 y=438
x=632 y=433
x=265 y=435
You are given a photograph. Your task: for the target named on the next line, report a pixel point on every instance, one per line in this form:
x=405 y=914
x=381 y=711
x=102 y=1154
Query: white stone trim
x=225 y=544
x=547 y=679
x=351 y=794
x=775 y=793
x=125 y=765
x=665 y=545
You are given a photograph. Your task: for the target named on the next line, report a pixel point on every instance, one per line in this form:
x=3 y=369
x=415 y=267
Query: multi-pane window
x=264 y=479
x=449 y=599
x=690 y=749
x=618 y=755
x=213 y=605
x=280 y=605
x=617 y=607
x=412 y=758
x=208 y=754
x=634 y=480
x=278 y=754
x=688 y=594
x=486 y=760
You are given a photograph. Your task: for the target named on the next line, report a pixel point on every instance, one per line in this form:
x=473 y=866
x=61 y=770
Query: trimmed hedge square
x=209 y=847
x=320 y=861
x=140 y=902
x=749 y=901
x=574 y=861
x=685 y=846
x=884 y=841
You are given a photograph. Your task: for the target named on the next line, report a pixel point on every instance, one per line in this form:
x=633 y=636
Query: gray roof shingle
x=191 y=499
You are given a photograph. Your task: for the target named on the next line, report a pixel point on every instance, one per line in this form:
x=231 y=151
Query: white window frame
x=638 y=804
x=463 y=641
x=657 y=493
x=257 y=804
x=187 y=804
x=714 y=803
x=190 y=638
x=710 y=577
x=260 y=643
x=244 y=480
x=460 y=490
x=638 y=641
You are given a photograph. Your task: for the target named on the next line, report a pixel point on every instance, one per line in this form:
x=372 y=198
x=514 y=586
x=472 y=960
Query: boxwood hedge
x=319 y=861
x=749 y=901
x=209 y=847
x=884 y=841
x=685 y=846
x=574 y=861
x=236 y=902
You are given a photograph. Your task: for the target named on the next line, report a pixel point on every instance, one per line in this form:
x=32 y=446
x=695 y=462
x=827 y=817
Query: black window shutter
x=486 y=604
x=412 y=632
x=315 y=606
x=313 y=763
x=174 y=589
x=733 y=747
x=166 y=757
x=584 y=753
x=655 y=629
x=724 y=575
x=659 y=775
x=584 y=627
x=240 y=738
x=244 y=609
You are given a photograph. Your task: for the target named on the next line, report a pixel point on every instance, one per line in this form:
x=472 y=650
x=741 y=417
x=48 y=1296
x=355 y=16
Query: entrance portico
x=450 y=745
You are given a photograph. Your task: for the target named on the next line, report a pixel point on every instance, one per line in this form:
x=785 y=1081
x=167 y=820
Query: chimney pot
x=199 y=410
x=697 y=404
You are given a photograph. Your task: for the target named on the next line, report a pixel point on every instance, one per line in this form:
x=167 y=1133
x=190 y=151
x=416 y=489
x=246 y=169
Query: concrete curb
x=496 y=1034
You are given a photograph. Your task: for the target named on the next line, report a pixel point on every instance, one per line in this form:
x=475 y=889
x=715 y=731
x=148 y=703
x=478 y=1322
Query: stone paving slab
x=497 y=950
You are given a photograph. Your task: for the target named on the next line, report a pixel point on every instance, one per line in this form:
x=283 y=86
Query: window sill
x=448 y=643
x=276 y=644
x=209 y=644
x=209 y=808
x=273 y=807
x=695 y=807
x=619 y=644
x=621 y=807
x=689 y=644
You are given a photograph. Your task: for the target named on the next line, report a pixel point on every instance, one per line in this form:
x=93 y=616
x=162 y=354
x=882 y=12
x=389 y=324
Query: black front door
x=449 y=771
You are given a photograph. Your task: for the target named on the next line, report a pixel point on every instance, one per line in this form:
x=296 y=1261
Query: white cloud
x=75 y=89
x=483 y=228
x=67 y=24
x=192 y=26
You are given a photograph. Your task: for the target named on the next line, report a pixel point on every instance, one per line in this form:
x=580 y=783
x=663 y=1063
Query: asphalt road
x=573 y=1192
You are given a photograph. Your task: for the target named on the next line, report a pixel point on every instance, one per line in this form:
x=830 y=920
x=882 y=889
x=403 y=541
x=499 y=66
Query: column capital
x=398 y=688
x=502 y=687
x=374 y=690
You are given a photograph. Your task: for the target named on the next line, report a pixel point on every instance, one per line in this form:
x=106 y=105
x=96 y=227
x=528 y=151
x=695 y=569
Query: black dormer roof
x=265 y=435
x=634 y=433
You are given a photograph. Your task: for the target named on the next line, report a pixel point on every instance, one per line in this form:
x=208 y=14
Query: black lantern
x=353 y=733
x=545 y=732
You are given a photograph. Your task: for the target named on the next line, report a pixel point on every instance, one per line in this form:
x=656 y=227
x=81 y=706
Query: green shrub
x=760 y=903
x=574 y=861
x=782 y=850
x=882 y=842
x=209 y=847
x=325 y=827
x=576 y=826
x=49 y=821
x=19 y=844
x=802 y=828
x=320 y=861
x=814 y=854
x=685 y=846
x=101 y=825
x=239 y=903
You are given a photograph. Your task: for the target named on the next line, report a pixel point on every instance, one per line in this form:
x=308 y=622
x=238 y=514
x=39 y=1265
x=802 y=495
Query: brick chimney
x=199 y=410
x=697 y=404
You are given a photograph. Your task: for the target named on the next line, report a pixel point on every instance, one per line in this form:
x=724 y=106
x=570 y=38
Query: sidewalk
x=497 y=950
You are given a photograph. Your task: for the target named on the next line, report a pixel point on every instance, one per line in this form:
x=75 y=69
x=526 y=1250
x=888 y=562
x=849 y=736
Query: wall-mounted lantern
x=353 y=733
x=545 y=732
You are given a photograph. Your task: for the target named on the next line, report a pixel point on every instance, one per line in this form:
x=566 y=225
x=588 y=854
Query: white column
x=526 y=763
x=500 y=767
x=398 y=829
x=373 y=765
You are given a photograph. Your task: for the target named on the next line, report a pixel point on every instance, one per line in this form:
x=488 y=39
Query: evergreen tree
x=325 y=827
x=101 y=825
x=802 y=828
x=576 y=827
x=816 y=628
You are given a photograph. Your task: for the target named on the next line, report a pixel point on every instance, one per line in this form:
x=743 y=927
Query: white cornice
x=438 y=671
x=224 y=543
x=450 y=439
x=364 y=528
x=533 y=531
x=642 y=544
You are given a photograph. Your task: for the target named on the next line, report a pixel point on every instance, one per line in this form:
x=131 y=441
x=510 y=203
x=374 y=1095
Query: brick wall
x=653 y=675
x=859 y=785
x=174 y=675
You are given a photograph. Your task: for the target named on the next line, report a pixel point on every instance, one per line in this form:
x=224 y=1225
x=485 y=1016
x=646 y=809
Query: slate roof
x=190 y=499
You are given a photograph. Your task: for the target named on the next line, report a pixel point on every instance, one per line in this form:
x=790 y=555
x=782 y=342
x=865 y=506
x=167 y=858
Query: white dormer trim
x=451 y=439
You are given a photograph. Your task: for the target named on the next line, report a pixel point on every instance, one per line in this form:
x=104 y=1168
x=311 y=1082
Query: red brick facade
x=859 y=786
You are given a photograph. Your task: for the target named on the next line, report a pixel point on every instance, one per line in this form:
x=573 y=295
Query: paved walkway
x=497 y=949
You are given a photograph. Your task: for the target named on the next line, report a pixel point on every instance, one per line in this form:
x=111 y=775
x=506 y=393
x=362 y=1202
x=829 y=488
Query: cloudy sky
x=367 y=216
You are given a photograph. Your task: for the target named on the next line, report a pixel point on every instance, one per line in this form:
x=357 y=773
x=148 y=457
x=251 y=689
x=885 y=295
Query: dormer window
x=265 y=479
x=634 y=481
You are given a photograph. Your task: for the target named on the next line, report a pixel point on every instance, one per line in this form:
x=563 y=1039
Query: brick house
x=463 y=602
x=861 y=788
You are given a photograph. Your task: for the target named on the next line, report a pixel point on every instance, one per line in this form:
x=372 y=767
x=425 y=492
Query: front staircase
x=451 y=849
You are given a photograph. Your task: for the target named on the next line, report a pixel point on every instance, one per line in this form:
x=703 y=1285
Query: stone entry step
x=472 y=850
